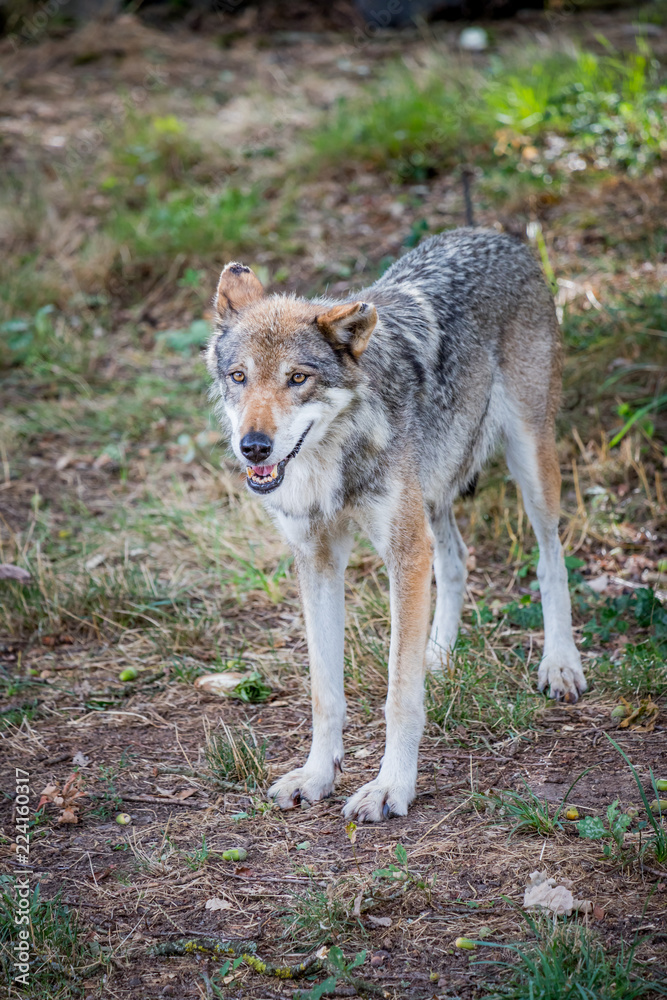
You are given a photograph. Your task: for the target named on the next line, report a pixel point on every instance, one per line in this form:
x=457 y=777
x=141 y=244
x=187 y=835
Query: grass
x=568 y=962
x=61 y=955
x=641 y=671
x=235 y=756
x=483 y=693
x=108 y=800
x=526 y=810
x=321 y=915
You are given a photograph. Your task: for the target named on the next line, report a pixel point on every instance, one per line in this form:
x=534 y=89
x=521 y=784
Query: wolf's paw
x=378 y=800
x=564 y=675
x=299 y=784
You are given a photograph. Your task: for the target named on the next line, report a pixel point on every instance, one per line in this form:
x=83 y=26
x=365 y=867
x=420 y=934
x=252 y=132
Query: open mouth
x=266 y=478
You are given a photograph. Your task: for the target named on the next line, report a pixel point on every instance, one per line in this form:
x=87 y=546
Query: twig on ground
x=246 y=949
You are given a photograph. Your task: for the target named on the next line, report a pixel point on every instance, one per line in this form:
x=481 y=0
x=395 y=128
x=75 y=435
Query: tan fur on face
x=260 y=412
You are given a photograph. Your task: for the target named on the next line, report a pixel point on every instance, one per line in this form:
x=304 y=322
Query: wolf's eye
x=238 y=377
x=298 y=378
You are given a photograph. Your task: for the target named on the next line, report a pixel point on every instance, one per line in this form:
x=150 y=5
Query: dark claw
x=386 y=810
x=296 y=796
x=570 y=697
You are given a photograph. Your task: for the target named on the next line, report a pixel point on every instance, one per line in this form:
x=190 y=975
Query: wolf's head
x=284 y=368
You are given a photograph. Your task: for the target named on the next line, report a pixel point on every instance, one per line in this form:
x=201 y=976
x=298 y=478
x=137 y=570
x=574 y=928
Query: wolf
x=375 y=413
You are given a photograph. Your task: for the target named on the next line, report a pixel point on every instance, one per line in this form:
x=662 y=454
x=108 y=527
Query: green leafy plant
x=186 y=341
x=20 y=338
x=198 y=858
x=108 y=800
x=402 y=873
x=341 y=974
x=593 y=828
x=231 y=965
x=615 y=614
x=252 y=688
x=525 y=613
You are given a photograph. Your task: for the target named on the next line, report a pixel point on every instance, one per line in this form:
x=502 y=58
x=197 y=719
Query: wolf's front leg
x=320 y=564
x=407 y=549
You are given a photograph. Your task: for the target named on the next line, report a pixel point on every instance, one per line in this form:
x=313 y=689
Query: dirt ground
x=184 y=527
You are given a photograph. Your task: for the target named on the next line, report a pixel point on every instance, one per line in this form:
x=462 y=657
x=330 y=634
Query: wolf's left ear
x=237 y=288
x=349 y=326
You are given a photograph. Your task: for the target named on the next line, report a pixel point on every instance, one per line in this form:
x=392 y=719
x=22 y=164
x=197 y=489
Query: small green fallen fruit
x=129 y=674
x=572 y=813
x=619 y=712
x=123 y=819
x=659 y=805
x=465 y=943
x=661 y=784
x=235 y=854
x=303 y=846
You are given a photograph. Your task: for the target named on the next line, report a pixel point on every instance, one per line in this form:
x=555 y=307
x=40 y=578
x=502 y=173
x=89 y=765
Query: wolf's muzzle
x=266 y=478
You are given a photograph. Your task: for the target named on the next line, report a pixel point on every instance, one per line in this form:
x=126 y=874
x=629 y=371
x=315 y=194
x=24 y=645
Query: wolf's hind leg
x=320 y=562
x=450 y=578
x=533 y=461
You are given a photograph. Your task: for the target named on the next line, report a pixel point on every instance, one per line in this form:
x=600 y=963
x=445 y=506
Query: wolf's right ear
x=237 y=288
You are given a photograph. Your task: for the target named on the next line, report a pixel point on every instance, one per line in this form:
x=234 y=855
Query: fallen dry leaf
x=101 y=875
x=543 y=893
x=599 y=584
x=95 y=560
x=10 y=572
x=647 y=712
x=65 y=799
x=221 y=684
x=68 y=816
x=218 y=904
x=47 y=795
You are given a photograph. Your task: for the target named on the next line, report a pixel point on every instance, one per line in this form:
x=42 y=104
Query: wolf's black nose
x=256 y=447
